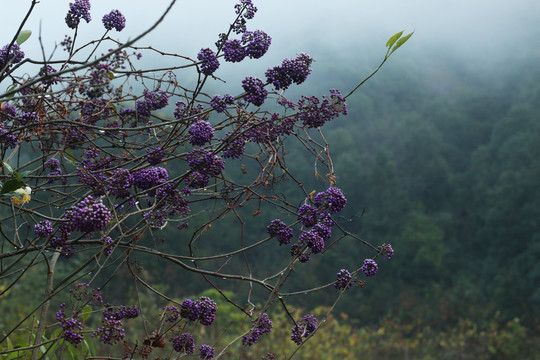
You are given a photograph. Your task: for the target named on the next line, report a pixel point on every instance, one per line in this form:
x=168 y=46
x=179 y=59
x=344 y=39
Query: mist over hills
x=438 y=155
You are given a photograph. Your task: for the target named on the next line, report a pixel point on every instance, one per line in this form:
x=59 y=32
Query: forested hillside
x=438 y=159
x=446 y=164
x=442 y=162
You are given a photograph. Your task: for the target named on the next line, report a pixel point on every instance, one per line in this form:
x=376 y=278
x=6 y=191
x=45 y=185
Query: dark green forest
x=440 y=160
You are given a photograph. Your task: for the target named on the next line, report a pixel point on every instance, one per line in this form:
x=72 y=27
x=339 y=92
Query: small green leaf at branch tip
x=86 y=312
x=23 y=36
x=393 y=39
x=402 y=41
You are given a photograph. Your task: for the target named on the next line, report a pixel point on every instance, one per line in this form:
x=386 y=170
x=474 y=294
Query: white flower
x=25 y=192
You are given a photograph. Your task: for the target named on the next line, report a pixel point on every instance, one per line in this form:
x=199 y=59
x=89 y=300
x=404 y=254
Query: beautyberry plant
x=101 y=183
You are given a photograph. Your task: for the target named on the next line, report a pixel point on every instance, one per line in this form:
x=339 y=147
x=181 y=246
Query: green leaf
x=17 y=176
x=71 y=351
x=9 y=344
x=88 y=346
x=9 y=168
x=11 y=88
x=70 y=158
x=23 y=36
x=24 y=173
x=110 y=75
x=393 y=39
x=86 y=312
x=11 y=185
x=402 y=41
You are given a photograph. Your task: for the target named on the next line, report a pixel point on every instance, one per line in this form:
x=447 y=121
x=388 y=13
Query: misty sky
x=471 y=30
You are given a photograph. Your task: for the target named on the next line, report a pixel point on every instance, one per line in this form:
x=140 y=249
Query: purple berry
x=304 y=328
x=78 y=10
x=256 y=93
x=369 y=268
x=201 y=133
x=115 y=20
x=184 y=343
x=344 y=280
x=209 y=61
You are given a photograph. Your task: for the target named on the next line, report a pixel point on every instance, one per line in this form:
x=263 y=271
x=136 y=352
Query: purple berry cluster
x=256 y=43
x=344 y=280
x=234 y=145
x=98 y=81
x=233 y=51
x=8 y=113
x=387 y=250
x=261 y=325
x=184 y=343
x=256 y=93
x=307 y=215
x=209 y=61
x=318 y=218
x=324 y=227
x=9 y=140
x=78 y=10
x=153 y=100
x=204 y=310
x=111 y=331
x=14 y=56
x=123 y=312
x=314 y=113
x=120 y=182
x=220 y=104
x=313 y=240
x=280 y=230
x=171 y=314
x=207 y=352
x=67 y=43
x=291 y=70
x=369 y=267
x=196 y=180
x=332 y=200
x=72 y=327
x=154 y=156
x=107 y=241
x=201 y=133
x=115 y=20
x=48 y=71
x=54 y=165
x=88 y=216
x=43 y=229
x=83 y=293
x=73 y=137
x=148 y=178
x=204 y=162
x=304 y=328
x=266 y=130
x=171 y=201
x=28 y=118
x=247 y=9
x=59 y=243
x=208 y=309
x=94 y=180
x=96 y=109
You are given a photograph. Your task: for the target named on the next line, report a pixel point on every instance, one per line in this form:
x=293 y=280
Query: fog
x=475 y=30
